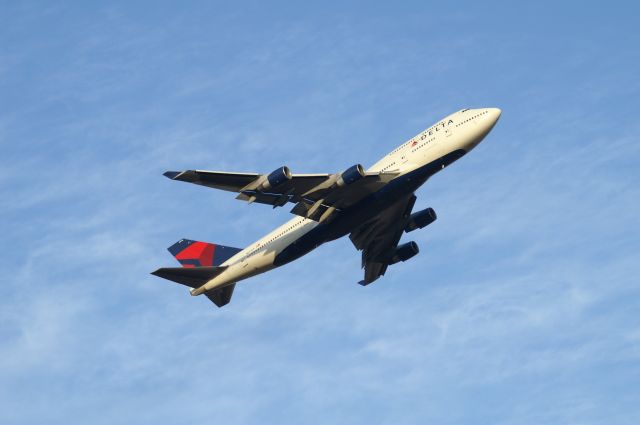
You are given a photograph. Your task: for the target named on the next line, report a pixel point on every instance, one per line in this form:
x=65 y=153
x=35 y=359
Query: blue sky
x=522 y=306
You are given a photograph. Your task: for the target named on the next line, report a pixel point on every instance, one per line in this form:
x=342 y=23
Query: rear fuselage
x=413 y=163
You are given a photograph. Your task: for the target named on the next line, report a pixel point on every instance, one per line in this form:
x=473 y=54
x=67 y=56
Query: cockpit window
x=464 y=110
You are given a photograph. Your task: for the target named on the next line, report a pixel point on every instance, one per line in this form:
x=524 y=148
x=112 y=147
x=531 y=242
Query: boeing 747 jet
x=374 y=207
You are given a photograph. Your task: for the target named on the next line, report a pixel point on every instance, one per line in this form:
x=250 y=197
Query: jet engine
x=405 y=252
x=275 y=179
x=351 y=175
x=420 y=219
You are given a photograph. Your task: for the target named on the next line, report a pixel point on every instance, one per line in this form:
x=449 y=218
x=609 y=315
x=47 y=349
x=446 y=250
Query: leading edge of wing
x=215 y=179
x=181 y=175
x=235 y=182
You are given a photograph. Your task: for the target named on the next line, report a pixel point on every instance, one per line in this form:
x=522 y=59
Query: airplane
x=374 y=207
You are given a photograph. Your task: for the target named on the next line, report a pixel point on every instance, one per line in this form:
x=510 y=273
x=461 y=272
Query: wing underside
x=379 y=237
x=316 y=196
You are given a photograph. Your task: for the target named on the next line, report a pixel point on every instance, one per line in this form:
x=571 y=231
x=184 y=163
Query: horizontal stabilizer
x=193 y=277
x=221 y=296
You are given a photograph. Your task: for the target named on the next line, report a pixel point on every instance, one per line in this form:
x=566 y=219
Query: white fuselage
x=462 y=130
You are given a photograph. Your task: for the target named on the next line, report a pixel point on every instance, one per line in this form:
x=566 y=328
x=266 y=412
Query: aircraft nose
x=488 y=117
x=490 y=120
x=494 y=114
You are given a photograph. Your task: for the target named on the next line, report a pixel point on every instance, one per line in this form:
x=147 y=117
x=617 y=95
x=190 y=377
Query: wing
x=317 y=196
x=379 y=237
x=236 y=182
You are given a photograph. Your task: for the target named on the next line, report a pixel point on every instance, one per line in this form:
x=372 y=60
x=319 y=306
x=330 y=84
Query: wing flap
x=274 y=199
x=312 y=210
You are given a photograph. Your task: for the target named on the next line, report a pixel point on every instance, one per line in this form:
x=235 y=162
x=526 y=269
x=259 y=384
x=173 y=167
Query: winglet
x=172 y=174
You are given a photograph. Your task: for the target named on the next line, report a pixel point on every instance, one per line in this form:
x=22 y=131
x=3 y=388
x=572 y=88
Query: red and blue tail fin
x=201 y=254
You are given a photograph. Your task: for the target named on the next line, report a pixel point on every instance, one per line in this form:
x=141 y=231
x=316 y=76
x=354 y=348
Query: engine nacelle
x=275 y=179
x=405 y=252
x=351 y=175
x=420 y=219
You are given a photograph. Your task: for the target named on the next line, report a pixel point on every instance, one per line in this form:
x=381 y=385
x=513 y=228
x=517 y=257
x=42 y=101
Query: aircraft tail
x=201 y=254
x=201 y=262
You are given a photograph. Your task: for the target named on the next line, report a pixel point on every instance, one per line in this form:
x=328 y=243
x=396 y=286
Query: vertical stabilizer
x=201 y=254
